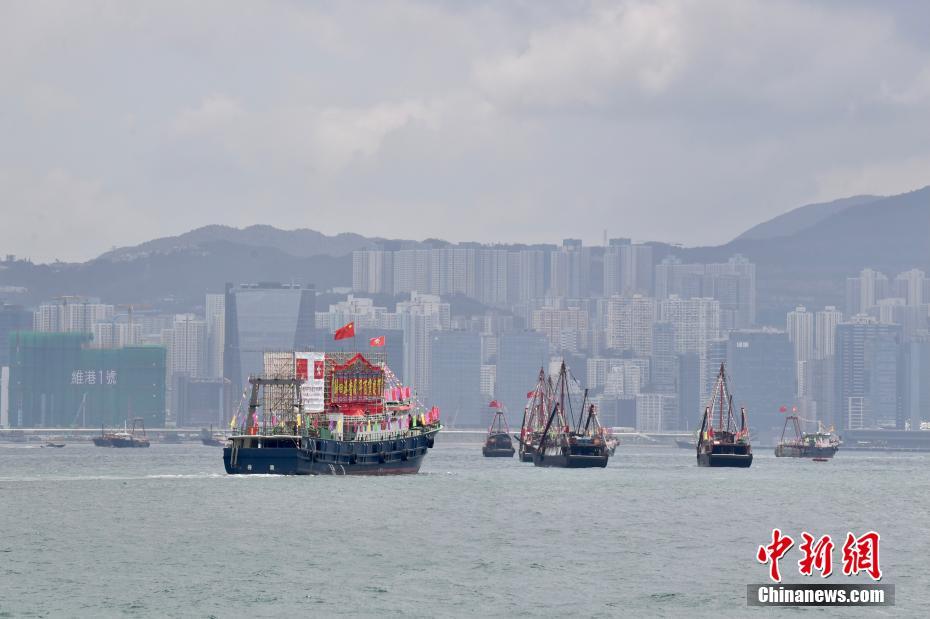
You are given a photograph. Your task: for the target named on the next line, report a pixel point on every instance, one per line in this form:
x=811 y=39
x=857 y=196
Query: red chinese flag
x=494 y=404
x=530 y=394
x=783 y=409
x=345 y=331
x=376 y=341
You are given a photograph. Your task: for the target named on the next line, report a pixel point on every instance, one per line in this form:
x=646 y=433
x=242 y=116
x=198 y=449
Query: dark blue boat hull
x=329 y=457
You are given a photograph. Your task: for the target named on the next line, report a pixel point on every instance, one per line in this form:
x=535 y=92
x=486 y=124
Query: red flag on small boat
x=530 y=394
x=376 y=341
x=345 y=331
x=494 y=404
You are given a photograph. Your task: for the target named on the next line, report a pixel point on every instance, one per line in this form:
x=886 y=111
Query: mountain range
x=802 y=256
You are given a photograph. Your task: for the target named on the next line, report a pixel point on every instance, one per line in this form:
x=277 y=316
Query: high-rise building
x=690 y=406
x=733 y=284
x=71 y=314
x=215 y=317
x=411 y=271
x=761 y=370
x=801 y=336
x=566 y=328
x=664 y=367
x=629 y=323
x=863 y=292
x=628 y=268
x=456 y=378
x=696 y=321
x=12 y=318
x=866 y=374
x=909 y=285
x=520 y=356
x=914 y=384
x=656 y=412
x=453 y=271
x=419 y=317
x=264 y=317
x=492 y=279
x=676 y=278
x=825 y=331
x=187 y=346
x=57 y=380
x=373 y=271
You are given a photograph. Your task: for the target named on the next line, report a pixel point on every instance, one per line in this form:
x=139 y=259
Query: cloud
x=468 y=121
x=52 y=215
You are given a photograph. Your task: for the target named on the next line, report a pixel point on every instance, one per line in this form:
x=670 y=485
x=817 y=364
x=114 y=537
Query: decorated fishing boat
x=539 y=403
x=334 y=413
x=723 y=444
x=571 y=439
x=498 y=443
x=816 y=445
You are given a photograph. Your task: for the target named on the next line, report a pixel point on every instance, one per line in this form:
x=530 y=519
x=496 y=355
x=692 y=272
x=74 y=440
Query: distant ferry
x=336 y=414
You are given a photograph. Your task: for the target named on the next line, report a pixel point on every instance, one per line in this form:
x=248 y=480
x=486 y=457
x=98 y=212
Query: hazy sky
x=528 y=121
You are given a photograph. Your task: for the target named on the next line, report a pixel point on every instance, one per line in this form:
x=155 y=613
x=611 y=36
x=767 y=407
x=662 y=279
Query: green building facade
x=56 y=380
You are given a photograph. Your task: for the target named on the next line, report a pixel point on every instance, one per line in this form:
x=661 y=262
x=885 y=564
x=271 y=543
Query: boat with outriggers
x=571 y=439
x=821 y=445
x=332 y=413
x=498 y=443
x=723 y=445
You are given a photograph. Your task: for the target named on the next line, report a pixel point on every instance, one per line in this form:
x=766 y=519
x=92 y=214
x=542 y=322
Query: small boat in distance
x=211 y=438
x=498 y=443
x=819 y=446
x=723 y=445
x=124 y=439
x=54 y=442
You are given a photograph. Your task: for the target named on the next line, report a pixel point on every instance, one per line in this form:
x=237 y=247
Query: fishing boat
x=330 y=413
x=819 y=446
x=569 y=440
x=723 y=445
x=534 y=416
x=211 y=438
x=498 y=443
x=124 y=439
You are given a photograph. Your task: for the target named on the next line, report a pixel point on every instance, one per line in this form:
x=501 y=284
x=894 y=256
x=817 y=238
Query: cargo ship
x=723 y=445
x=124 y=439
x=571 y=440
x=498 y=443
x=330 y=414
x=820 y=445
x=539 y=403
